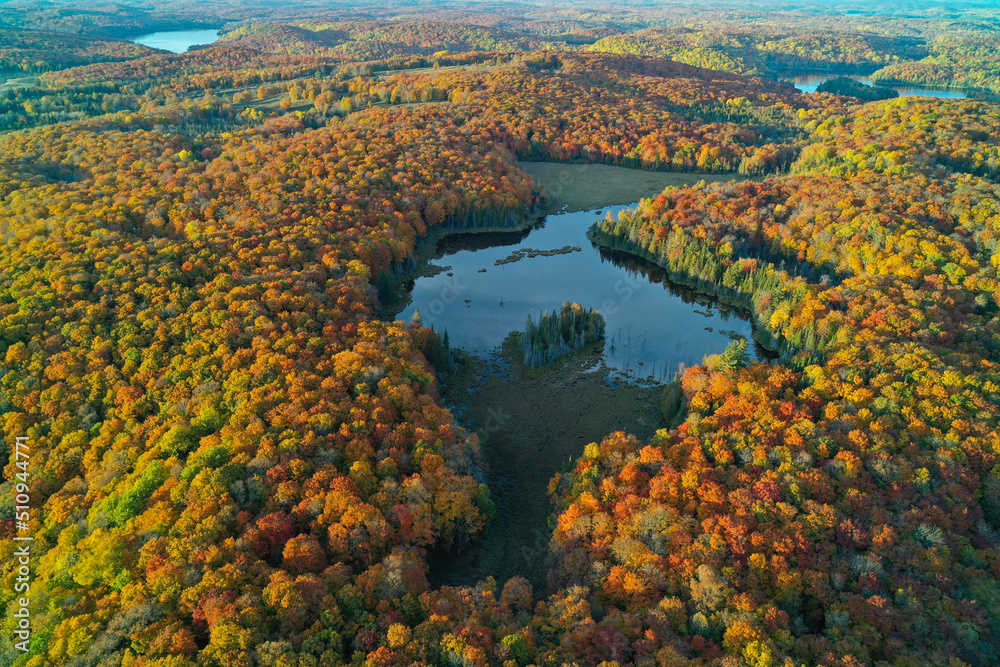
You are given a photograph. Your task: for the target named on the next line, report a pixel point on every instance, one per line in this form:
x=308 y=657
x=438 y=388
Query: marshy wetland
x=481 y=288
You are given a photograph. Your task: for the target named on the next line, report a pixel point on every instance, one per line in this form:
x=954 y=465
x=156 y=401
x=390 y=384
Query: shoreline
x=544 y=173
x=426 y=251
x=896 y=83
x=735 y=300
x=617 y=185
x=534 y=421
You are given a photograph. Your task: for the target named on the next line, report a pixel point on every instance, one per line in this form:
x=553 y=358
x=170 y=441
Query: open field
x=18 y=82
x=580 y=187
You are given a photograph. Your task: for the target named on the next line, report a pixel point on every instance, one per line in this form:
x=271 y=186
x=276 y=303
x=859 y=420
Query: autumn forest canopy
x=239 y=457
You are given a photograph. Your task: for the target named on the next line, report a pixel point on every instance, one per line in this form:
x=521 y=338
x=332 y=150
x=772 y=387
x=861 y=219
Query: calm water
x=808 y=83
x=177 y=41
x=652 y=325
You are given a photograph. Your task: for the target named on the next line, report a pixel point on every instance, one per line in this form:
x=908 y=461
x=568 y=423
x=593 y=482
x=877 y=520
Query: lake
x=177 y=41
x=491 y=284
x=808 y=83
x=534 y=422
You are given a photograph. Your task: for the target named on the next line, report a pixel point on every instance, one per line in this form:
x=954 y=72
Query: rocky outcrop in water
x=518 y=255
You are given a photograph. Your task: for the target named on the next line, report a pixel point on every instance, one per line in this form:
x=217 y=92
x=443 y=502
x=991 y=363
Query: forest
x=239 y=457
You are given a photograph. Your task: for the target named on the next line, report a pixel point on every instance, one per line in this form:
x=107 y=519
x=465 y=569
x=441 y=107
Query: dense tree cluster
x=629 y=111
x=951 y=54
x=843 y=85
x=888 y=429
x=33 y=52
x=763 y=49
x=560 y=332
x=957 y=59
x=374 y=40
x=113 y=20
x=905 y=136
x=189 y=342
x=237 y=462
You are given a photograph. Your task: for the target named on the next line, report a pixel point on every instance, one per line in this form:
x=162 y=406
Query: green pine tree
x=735 y=356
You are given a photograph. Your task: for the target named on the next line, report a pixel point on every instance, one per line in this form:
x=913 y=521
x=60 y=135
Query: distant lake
x=808 y=83
x=177 y=41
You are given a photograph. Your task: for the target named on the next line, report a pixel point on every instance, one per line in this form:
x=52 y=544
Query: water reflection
x=808 y=83
x=177 y=41
x=653 y=326
x=657 y=275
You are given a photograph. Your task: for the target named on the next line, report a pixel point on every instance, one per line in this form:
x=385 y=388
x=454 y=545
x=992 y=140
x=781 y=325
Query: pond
x=177 y=41
x=491 y=284
x=808 y=83
x=534 y=422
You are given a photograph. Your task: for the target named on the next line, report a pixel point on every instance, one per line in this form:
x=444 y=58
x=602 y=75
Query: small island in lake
x=559 y=333
x=843 y=85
